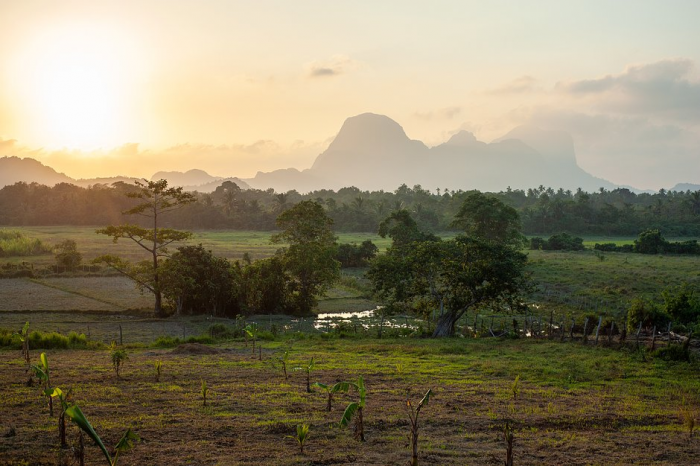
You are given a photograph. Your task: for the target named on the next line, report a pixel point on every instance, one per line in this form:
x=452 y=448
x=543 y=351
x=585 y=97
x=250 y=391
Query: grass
x=18 y=243
x=584 y=401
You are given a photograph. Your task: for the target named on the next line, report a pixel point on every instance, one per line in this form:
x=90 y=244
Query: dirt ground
x=252 y=410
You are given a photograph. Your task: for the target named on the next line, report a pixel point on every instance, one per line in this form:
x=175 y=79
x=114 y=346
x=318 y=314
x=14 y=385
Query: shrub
x=563 y=242
x=646 y=312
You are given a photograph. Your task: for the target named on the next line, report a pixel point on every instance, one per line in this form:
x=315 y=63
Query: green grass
x=17 y=243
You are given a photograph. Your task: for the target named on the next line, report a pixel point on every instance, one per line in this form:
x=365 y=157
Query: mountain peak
x=369 y=130
x=461 y=138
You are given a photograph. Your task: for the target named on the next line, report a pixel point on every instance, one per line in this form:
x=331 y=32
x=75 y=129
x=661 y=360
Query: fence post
x=551 y=321
x=585 y=330
x=571 y=331
x=639 y=329
x=653 y=338
x=121 y=341
x=597 y=330
x=561 y=327
x=669 y=334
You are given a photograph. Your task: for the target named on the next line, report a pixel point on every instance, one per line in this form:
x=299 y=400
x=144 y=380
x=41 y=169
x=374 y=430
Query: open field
x=577 y=405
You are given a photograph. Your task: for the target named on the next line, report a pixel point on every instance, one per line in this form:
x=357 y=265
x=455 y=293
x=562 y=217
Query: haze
x=106 y=88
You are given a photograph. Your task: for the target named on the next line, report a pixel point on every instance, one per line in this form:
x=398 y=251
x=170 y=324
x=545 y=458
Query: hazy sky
x=130 y=87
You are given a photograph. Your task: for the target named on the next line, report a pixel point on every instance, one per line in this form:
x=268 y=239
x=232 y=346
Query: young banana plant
x=24 y=339
x=42 y=373
x=63 y=398
x=413 y=413
x=125 y=444
x=355 y=408
x=307 y=368
x=252 y=331
x=302 y=436
x=332 y=390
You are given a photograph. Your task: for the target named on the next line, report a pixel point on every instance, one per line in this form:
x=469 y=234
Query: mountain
x=373 y=152
x=683 y=187
x=189 y=178
x=15 y=169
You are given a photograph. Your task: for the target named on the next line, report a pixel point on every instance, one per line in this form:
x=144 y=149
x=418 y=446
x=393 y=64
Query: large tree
x=154 y=199
x=488 y=218
x=309 y=257
x=422 y=272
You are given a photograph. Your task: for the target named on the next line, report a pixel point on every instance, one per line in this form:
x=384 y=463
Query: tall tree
x=489 y=219
x=310 y=257
x=154 y=199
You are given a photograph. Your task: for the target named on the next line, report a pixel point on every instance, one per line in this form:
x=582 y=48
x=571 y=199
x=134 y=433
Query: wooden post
x=561 y=327
x=551 y=321
x=585 y=330
x=653 y=338
x=571 y=331
x=612 y=328
x=121 y=341
x=669 y=334
x=639 y=329
x=597 y=330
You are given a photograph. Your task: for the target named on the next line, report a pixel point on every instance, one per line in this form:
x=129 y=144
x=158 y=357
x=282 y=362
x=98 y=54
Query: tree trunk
x=446 y=324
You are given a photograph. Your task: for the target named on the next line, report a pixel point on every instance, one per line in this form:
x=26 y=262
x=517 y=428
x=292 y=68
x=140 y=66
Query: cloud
x=334 y=66
x=446 y=113
x=665 y=89
x=521 y=85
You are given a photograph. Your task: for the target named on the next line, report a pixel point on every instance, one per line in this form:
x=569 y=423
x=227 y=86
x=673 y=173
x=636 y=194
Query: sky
x=99 y=88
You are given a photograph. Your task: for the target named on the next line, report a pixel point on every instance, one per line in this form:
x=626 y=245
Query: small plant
x=24 y=339
x=354 y=409
x=332 y=390
x=124 y=444
x=308 y=368
x=158 y=367
x=204 y=392
x=251 y=330
x=302 y=436
x=119 y=357
x=63 y=399
x=42 y=373
x=508 y=437
x=687 y=415
x=283 y=362
x=515 y=387
x=413 y=417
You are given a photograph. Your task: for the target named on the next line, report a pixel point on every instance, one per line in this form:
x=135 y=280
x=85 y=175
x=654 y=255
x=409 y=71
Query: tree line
x=541 y=210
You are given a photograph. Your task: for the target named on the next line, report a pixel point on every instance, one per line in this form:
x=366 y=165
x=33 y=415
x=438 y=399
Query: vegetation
x=302 y=436
x=413 y=413
x=16 y=243
x=155 y=199
x=67 y=255
x=119 y=357
x=355 y=409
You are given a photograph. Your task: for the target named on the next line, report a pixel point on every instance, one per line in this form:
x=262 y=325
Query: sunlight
x=76 y=88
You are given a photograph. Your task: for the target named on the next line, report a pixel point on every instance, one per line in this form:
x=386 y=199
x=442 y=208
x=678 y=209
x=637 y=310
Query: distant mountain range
x=372 y=152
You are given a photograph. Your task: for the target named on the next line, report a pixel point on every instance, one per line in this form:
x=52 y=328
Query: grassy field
x=575 y=405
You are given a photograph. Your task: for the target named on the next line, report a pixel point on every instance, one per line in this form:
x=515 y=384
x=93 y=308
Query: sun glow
x=76 y=87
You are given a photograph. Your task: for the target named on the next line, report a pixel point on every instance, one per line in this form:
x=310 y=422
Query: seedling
x=42 y=373
x=158 y=366
x=308 y=368
x=252 y=331
x=24 y=339
x=205 y=390
x=283 y=361
x=508 y=437
x=688 y=418
x=302 y=436
x=354 y=409
x=515 y=388
x=119 y=357
x=413 y=417
x=124 y=444
x=332 y=390
x=63 y=399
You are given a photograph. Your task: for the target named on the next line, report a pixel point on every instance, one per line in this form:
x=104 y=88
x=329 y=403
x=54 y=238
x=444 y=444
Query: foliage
x=119 y=357
x=355 y=409
x=16 y=243
x=265 y=287
x=339 y=387
x=352 y=255
x=23 y=336
x=310 y=257
x=681 y=304
x=646 y=312
x=154 y=199
x=302 y=436
x=67 y=255
x=489 y=219
x=198 y=282
x=413 y=414
x=204 y=390
x=125 y=443
x=158 y=367
x=560 y=242
x=653 y=242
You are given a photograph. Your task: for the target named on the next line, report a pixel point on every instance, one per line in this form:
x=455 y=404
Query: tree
x=155 y=199
x=198 y=282
x=67 y=255
x=489 y=219
x=310 y=257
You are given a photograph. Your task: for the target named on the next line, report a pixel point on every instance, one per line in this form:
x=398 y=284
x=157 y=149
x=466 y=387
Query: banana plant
x=302 y=436
x=119 y=358
x=283 y=361
x=252 y=331
x=355 y=408
x=158 y=366
x=124 y=444
x=24 y=339
x=332 y=390
x=307 y=368
x=63 y=398
x=42 y=373
x=413 y=417
x=204 y=392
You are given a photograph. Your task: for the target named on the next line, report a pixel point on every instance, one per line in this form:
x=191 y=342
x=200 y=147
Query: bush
x=612 y=247
x=41 y=340
x=681 y=304
x=537 y=243
x=646 y=312
x=563 y=242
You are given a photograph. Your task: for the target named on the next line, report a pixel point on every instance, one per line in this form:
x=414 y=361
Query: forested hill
x=542 y=211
